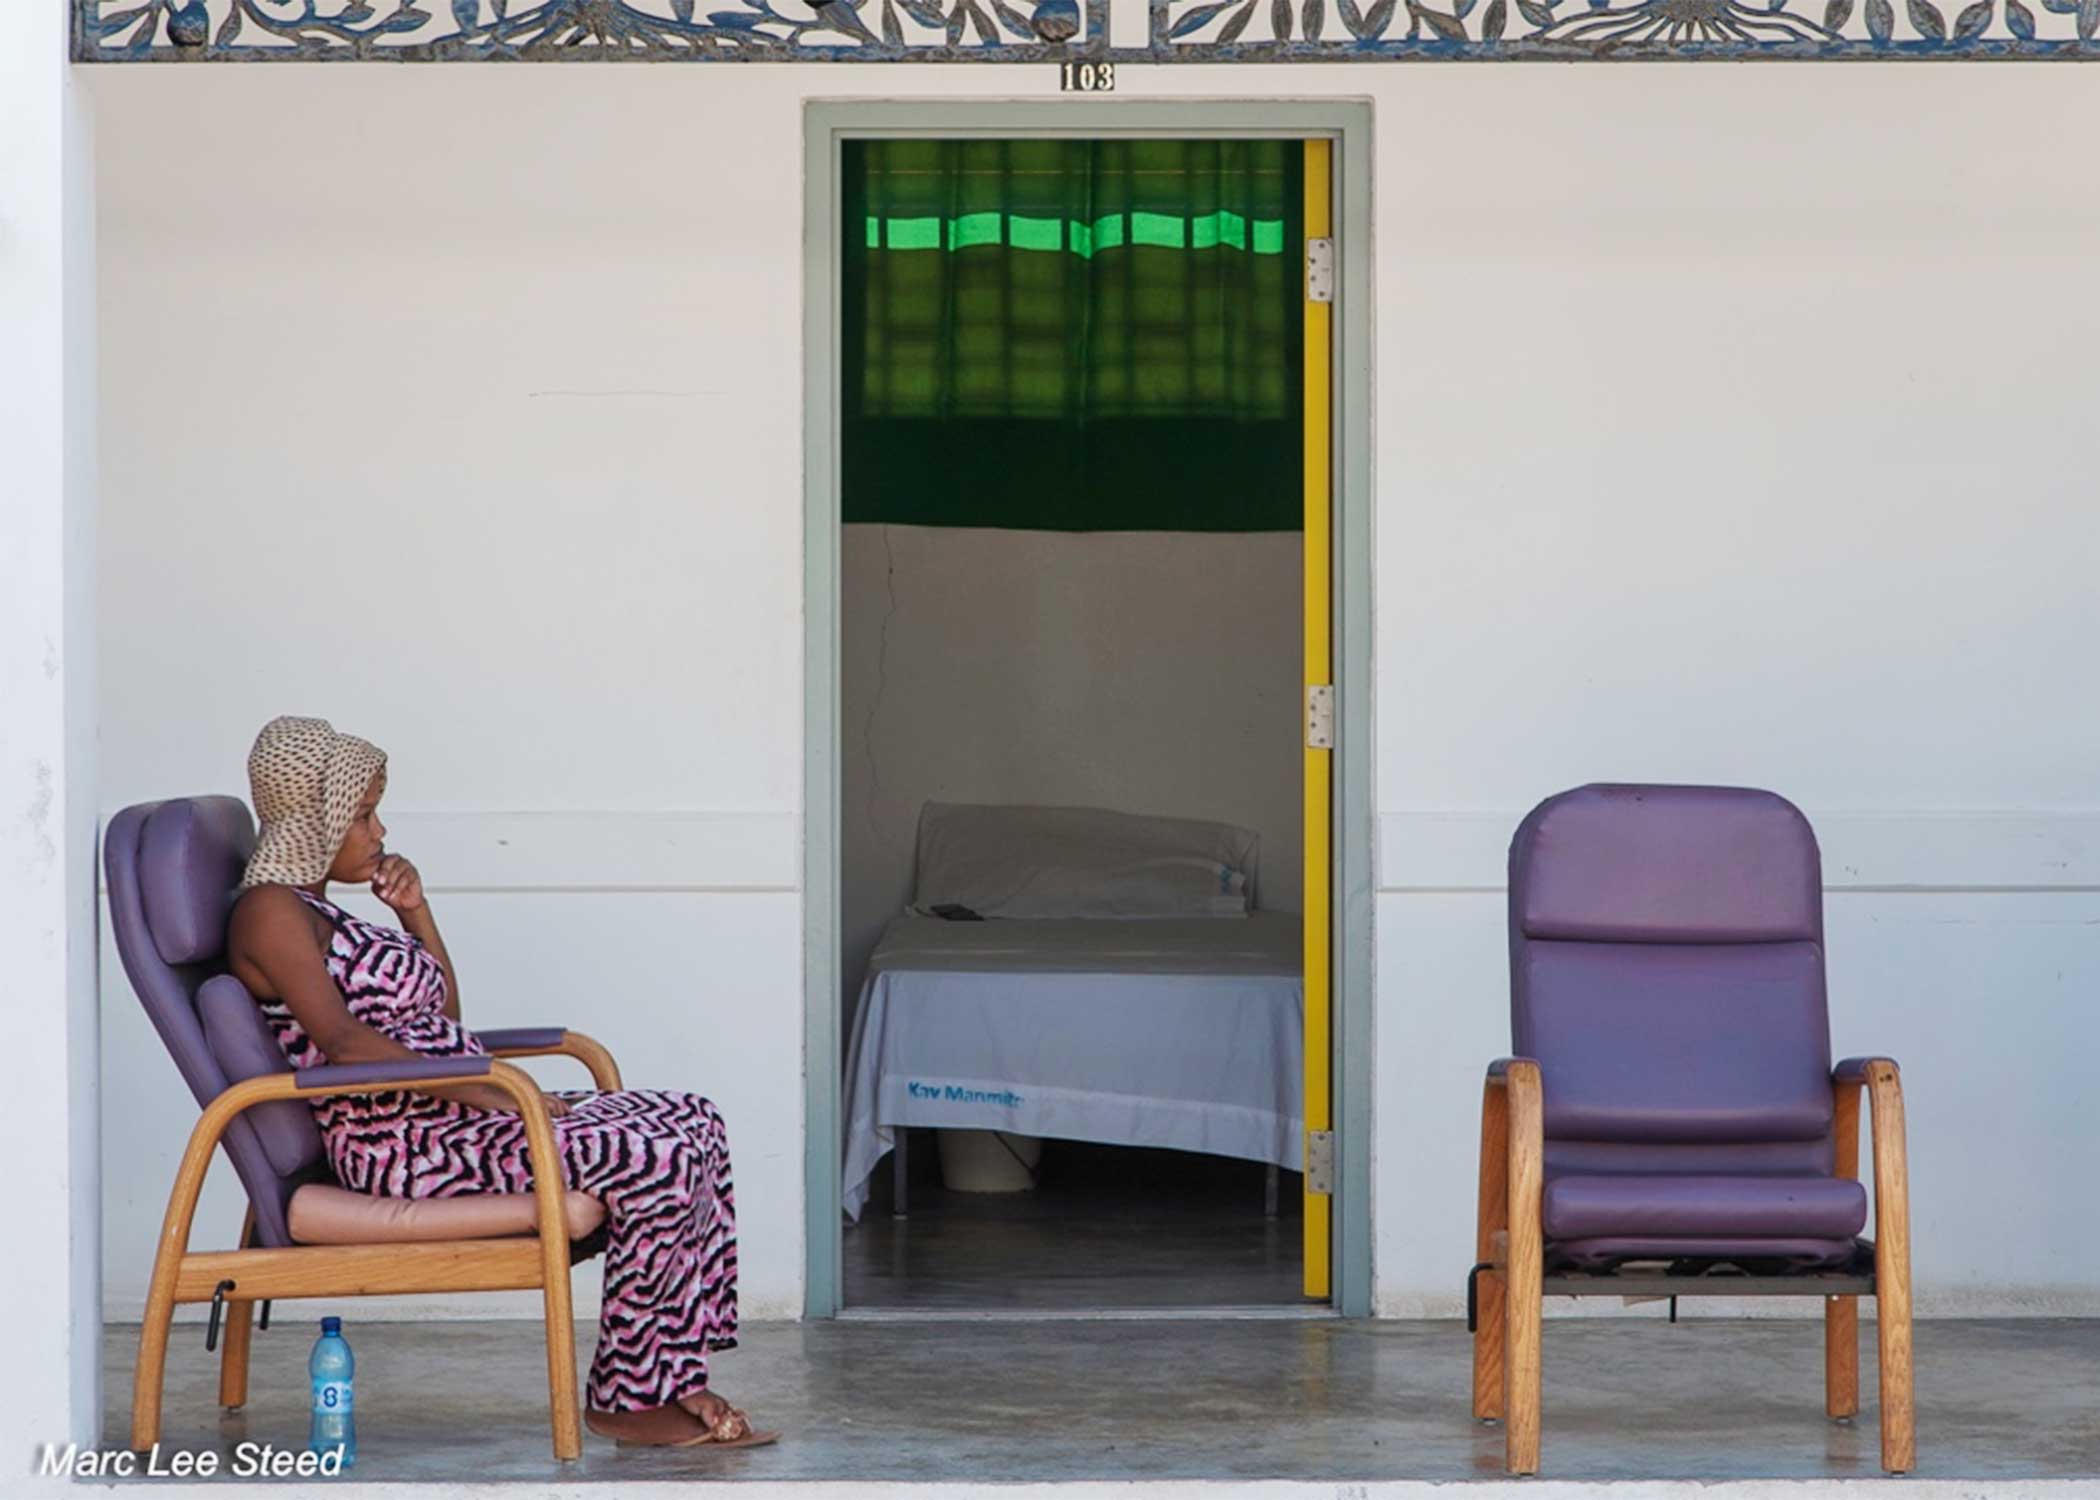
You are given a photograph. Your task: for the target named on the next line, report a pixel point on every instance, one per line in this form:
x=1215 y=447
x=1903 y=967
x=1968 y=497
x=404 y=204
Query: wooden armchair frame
x=1512 y=1286
x=253 y=1274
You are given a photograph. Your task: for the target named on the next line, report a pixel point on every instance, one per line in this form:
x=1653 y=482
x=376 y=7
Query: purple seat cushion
x=1679 y=1043
x=244 y=1046
x=1666 y=864
x=1583 y=1207
x=1615 y=1250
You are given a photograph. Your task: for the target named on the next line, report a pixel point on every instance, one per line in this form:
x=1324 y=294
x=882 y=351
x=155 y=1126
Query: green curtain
x=1073 y=335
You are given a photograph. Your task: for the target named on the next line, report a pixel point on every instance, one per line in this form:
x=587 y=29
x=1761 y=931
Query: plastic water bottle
x=332 y=1368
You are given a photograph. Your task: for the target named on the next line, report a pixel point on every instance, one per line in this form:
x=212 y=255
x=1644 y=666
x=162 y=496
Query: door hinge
x=1319 y=1161
x=1319 y=270
x=1319 y=716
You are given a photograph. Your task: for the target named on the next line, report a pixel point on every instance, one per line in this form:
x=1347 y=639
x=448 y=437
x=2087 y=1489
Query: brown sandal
x=659 y=1427
x=733 y=1431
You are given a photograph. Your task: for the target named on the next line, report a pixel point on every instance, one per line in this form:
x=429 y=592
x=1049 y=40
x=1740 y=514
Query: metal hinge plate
x=1319 y=270
x=1319 y=716
x=1319 y=1161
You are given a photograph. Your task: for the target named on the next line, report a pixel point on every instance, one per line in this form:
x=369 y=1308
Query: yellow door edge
x=1319 y=763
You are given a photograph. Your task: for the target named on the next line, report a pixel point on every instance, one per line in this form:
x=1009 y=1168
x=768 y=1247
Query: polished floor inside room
x=1107 y=1228
x=1626 y=1398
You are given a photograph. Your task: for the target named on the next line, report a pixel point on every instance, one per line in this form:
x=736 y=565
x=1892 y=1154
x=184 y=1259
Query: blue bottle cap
x=331 y=1325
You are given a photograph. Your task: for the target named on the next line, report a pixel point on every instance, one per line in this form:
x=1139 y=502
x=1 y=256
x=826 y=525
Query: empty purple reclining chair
x=1671 y=1123
x=173 y=868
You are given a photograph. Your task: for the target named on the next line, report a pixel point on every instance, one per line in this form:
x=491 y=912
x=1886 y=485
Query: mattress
x=1184 y=1034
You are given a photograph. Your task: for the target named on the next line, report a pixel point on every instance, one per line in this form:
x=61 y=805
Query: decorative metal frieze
x=1491 y=30
x=589 y=30
x=1009 y=31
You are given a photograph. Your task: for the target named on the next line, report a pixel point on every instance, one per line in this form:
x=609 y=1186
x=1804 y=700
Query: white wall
x=50 y=1383
x=448 y=440
x=1739 y=441
x=1731 y=423
x=1151 y=672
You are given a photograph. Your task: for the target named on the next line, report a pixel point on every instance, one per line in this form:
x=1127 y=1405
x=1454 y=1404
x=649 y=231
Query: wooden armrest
x=605 y=1073
x=1884 y=1084
x=1511 y=1109
x=1892 y=1285
x=1884 y=1099
x=1857 y=1070
x=229 y=1104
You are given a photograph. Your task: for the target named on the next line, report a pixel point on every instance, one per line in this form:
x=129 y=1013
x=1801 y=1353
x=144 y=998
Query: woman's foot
x=658 y=1427
x=724 y=1423
x=725 y=1426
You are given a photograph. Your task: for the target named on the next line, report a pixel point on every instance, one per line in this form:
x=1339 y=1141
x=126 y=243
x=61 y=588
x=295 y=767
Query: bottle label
x=332 y=1396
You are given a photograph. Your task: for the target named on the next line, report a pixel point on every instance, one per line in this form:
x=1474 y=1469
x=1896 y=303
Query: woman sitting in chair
x=337 y=989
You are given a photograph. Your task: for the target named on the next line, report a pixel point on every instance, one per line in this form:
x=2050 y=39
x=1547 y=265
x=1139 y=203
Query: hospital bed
x=1178 y=1023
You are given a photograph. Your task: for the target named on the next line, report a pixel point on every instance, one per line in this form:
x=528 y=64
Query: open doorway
x=1074 y=493
x=1322 y=1223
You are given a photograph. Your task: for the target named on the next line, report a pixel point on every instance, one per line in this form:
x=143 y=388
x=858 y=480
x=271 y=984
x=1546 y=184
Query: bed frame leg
x=900 y=1175
x=1271 y=1193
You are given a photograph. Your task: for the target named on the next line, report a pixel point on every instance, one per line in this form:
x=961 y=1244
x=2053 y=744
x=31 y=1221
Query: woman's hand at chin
x=398 y=884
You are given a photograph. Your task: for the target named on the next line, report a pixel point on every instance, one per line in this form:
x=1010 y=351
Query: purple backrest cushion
x=245 y=1047
x=172 y=868
x=191 y=856
x=1666 y=864
x=1666 y=966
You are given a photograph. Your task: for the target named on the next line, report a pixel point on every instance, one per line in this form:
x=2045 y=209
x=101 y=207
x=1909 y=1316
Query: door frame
x=1348 y=124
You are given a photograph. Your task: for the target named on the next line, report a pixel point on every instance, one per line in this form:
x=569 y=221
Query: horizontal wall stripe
x=1892 y=852
x=603 y=851
x=759 y=853
x=718 y=853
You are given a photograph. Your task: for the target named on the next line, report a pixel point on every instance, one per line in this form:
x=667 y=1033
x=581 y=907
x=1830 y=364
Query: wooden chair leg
x=1841 y=1314
x=1899 y=1433
x=1493 y=1213
x=563 y=1409
x=564 y=1412
x=1490 y=1346
x=148 y=1375
x=233 y=1359
x=240 y=1331
x=1524 y=1298
x=1841 y=1358
x=1899 y=1421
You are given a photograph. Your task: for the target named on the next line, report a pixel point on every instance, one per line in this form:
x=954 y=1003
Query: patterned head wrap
x=306 y=781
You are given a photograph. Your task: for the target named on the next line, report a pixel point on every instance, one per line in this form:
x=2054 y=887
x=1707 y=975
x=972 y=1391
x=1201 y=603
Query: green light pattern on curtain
x=1073 y=335
x=1024 y=233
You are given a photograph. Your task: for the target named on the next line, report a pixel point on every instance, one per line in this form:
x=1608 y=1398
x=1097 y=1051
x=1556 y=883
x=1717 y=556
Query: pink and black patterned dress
x=658 y=1161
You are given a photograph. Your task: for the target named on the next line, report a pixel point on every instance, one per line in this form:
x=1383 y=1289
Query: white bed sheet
x=1186 y=1034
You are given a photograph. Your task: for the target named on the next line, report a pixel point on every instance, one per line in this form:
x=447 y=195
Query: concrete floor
x=1626 y=1399
x=1108 y=1227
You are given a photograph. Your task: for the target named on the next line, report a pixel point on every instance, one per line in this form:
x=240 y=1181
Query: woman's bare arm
x=400 y=886
x=421 y=925
x=273 y=949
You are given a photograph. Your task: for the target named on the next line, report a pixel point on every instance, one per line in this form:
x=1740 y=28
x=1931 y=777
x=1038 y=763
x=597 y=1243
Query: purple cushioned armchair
x=173 y=868
x=1671 y=1123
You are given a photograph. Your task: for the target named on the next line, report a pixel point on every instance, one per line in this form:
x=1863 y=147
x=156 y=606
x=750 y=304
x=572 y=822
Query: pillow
x=1080 y=862
x=246 y=1048
x=191 y=854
